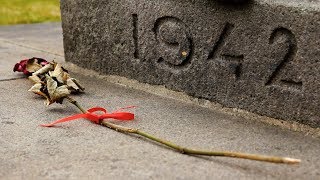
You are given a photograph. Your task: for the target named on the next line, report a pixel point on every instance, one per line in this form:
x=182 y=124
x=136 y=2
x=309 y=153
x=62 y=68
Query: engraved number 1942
x=179 y=47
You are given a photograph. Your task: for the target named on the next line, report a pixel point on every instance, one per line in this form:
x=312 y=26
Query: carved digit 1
x=135 y=35
x=291 y=43
x=215 y=53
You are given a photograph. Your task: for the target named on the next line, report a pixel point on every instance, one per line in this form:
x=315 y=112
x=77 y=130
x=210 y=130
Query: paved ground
x=84 y=150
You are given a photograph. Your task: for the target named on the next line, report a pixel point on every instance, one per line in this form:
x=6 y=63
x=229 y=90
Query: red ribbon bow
x=96 y=118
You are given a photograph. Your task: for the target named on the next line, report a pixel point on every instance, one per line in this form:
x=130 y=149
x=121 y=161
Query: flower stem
x=74 y=102
x=185 y=150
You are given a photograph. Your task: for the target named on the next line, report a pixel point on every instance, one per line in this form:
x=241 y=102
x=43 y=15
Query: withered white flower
x=54 y=83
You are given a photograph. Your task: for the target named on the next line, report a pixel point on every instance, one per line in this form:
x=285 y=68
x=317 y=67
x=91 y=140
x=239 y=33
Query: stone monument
x=261 y=56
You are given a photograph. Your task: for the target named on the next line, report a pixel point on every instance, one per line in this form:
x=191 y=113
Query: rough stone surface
x=262 y=56
x=82 y=150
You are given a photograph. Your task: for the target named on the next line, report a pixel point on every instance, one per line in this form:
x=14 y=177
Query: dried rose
x=28 y=66
x=50 y=79
x=58 y=73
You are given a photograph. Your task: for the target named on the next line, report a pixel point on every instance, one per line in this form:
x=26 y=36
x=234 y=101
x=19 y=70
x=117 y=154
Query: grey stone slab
x=81 y=149
x=262 y=56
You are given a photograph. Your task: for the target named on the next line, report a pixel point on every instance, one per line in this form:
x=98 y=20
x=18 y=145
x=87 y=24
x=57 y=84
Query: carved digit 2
x=289 y=56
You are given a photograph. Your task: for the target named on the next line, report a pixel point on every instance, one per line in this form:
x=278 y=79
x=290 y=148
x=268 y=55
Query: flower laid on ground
x=54 y=83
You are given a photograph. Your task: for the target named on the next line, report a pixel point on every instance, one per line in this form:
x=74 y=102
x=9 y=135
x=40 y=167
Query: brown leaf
x=36 y=88
x=74 y=85
x=56 y=93
x=35 y=79
x=44 y=69
x=59 y=74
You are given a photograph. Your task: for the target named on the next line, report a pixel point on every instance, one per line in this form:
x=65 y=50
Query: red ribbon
x=96 y=118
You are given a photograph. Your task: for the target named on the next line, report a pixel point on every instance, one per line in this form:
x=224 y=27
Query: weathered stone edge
x=162 y=91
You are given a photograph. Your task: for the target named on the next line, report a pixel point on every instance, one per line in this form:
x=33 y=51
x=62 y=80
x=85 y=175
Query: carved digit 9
x=291 y=44
x=175 y=46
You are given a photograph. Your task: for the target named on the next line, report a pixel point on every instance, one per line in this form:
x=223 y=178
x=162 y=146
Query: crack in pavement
x=11 y=79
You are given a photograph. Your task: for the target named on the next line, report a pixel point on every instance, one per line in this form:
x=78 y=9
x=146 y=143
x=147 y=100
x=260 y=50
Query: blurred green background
x=29 y=11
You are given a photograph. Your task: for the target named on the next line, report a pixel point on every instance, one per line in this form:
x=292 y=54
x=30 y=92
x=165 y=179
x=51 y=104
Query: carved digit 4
x=215 y=53
x=291 y=43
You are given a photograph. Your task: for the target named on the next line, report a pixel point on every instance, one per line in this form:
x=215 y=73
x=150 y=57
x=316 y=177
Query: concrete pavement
x=82 y=150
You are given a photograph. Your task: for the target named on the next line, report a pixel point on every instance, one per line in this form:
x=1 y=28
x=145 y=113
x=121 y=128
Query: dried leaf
x=59 y=74
x=56 y=93
x=37 y=90
x=74 y=85
x=35 y=79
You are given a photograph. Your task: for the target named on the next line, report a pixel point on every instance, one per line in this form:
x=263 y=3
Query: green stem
x=185 y=150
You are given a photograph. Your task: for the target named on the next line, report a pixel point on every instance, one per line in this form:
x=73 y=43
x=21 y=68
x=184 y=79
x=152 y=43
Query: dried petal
x=44 y=69
x=21 y=67
x=28 y=66
x=32 y=65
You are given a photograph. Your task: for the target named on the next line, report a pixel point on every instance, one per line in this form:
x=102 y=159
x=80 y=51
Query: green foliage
x=28 y=11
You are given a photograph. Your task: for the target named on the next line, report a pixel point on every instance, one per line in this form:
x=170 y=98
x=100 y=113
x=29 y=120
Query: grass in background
x=28 y=11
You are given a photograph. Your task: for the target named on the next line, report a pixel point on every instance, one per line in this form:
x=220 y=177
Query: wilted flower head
x=28 y=66
x=50 y=79
x=54 y=83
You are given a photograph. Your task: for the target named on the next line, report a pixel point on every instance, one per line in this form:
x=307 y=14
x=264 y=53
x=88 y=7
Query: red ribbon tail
x=70 y=118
